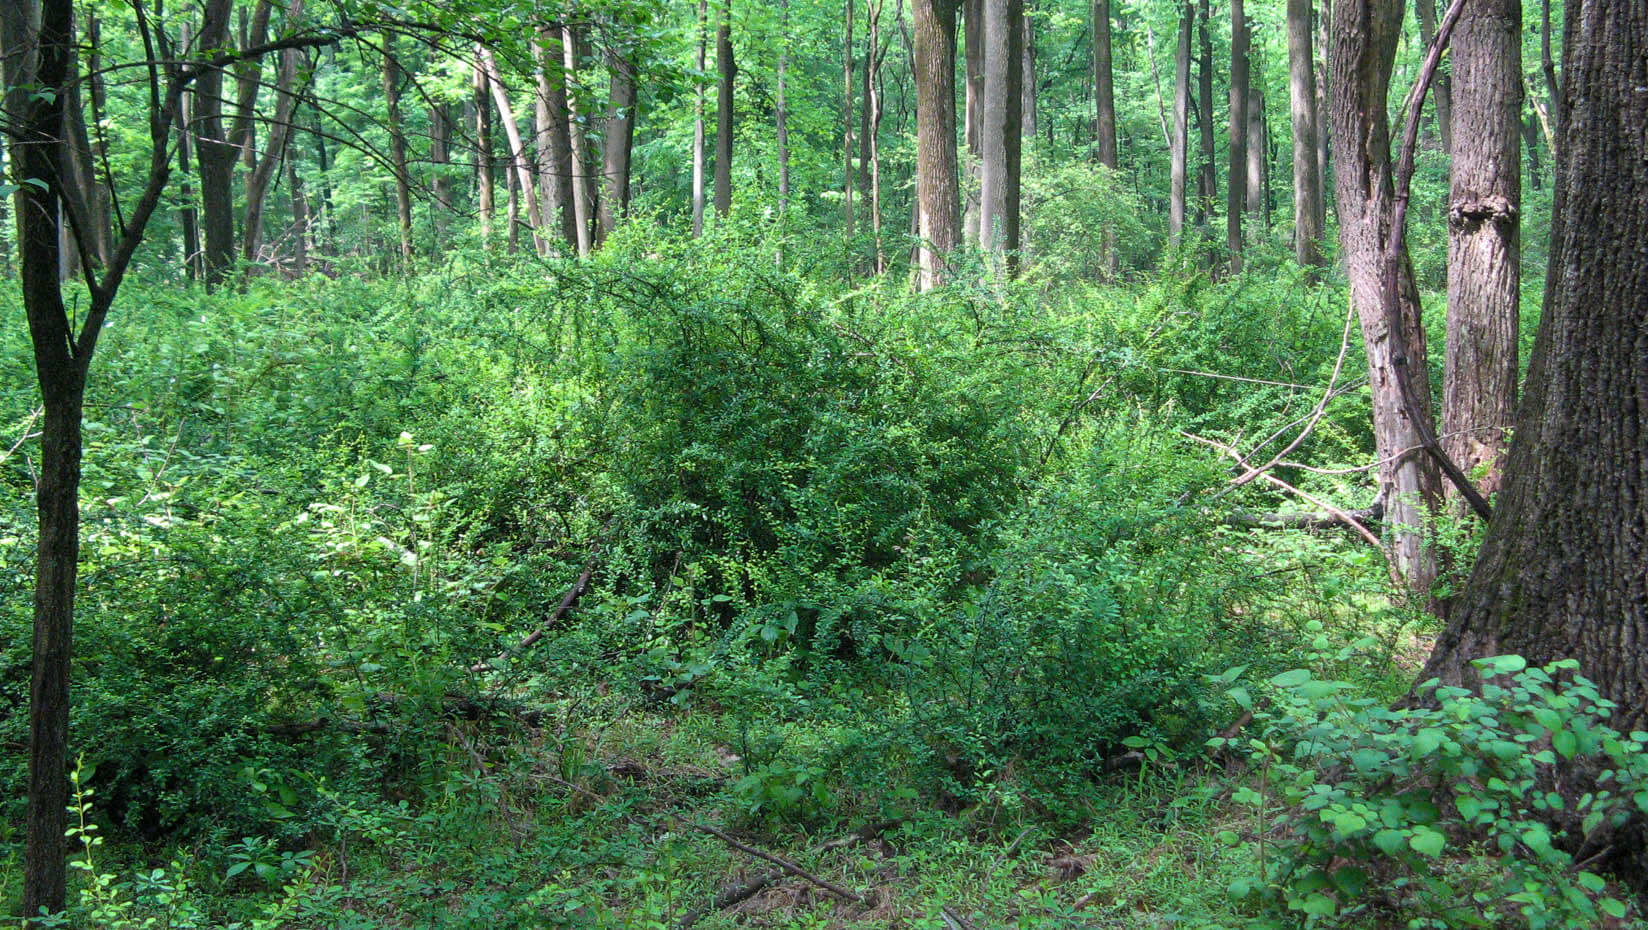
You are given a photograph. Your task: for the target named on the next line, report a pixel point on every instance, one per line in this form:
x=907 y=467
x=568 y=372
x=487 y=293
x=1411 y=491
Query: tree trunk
x=583 y=196
x=726 y=70
x=397 y=147
x=521 y=175
x=999 y=135
x=1104 y=105
x=485 y=204
x=873 y=107
x=555 y=141
x=1484 y=259
x=1027 y=108
x=1257 y=162
x=847 y=123
x=619 y=141
x=933 y=50
x=216 y=153
x=263 y=175
x=1547 y=67
x=1179 y=150
x=440 y=155
x=300 y=219
x=698 y=124
x=1364 y=38
x=1208 y=185
x=972 y=117
x=1307 y=177
x=1236 y=182
x=1441 y=87
x=1560 y=574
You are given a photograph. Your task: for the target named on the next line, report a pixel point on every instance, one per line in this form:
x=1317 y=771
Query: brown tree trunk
x=216 y=153
x=397 y=147
x=554 y=140
x=1547 y=67
x=1364 y=37
x=1179 y=150
x=1307 y=177
x=1236 y=182
x=1560 y=574
x=263 y=175
x=485 y=203
x=726 y=70
x=1441 y=88
x=933 y=51
x=619 y=141
x=248 y=77
x=972 y=115
x=1484 y=258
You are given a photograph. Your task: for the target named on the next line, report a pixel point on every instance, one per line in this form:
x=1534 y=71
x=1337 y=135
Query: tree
x=933 y=53
x=1179 y=143
x=1236 y=181
x=999 y=129
x=1560 y=574
x=619 y=140
x=1484 y=223
x=726 y=70
x=1104 y=105
x=1364 y=37
x=1307 y=177
x=698 y=126
x=392 y=78
x=38 y=70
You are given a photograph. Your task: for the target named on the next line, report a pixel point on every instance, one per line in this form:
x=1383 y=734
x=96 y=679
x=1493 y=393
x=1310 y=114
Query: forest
x=944 y=465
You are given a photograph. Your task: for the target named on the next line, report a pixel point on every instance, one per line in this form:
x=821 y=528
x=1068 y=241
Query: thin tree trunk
x=847 y=123
x=248 y=77
x=1324 y=148
x=933 y=50
x=440 y=155
x=554 y=141
x=972 y=116
x=522 y=173
x=486 y=205
x=873 y=106
x=1441 y=89
x=698 y=124
x=1547 y=67
x=262 y=176
x=1256 y=160
x=1364 y=37
x=1208 y=186
x=620 y=139
x=1104 y=105
x=1179 y=150
x=727 y=73
x=300 y=219
x=1028 y=106
x=1484 y=255
x=1236 y=182
x=1307 y=178
x=397 y=148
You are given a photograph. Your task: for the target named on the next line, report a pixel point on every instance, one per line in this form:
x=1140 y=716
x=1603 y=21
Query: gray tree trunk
x=1307 y=177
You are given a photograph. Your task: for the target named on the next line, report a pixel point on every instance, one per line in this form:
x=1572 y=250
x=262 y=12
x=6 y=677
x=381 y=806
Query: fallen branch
x=1348 y=520
x=567 y=603
x=740 y=892
x=1305 y=520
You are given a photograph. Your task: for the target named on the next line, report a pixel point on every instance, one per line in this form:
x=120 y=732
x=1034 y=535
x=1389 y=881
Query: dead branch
x=567 y=603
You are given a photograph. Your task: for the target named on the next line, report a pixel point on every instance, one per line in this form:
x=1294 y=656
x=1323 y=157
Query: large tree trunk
x=934 y=52
x=1364 y=38
x=619 y=141
x=1236 y=182
x=1560 y=574
x=1484 y=260
x=1307 y=176
x=999 y=137
x=555 y=141
x=216 y=153
x=1179 y=149
x=726 y=70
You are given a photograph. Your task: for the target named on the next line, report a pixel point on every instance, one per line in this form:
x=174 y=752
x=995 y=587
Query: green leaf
x=1390 y=842
x=1291 y=679
x=1319 y=905
x=1427 y=842
x=1500 y=665
x=1348 y=823
x=1613 y=907
x=1565 y=742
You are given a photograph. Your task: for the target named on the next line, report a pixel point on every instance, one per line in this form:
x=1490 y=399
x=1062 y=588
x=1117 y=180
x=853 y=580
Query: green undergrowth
x=958 y=565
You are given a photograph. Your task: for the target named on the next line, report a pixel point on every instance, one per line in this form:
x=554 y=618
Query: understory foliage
x=952 y=561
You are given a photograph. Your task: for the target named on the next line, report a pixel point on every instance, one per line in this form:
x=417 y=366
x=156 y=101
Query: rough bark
x=1364 y=38
x=999 y=128
x=1484 y=255
x=215 y=152
x=933 y=50
x=1560 y=574
x=619 y=141
x=726 y=70
x=555 y=143
x=1307 y=177
x=1236 y=181
x=1179 y=150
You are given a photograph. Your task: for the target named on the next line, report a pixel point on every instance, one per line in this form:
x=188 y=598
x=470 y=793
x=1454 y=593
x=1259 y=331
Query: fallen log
x=1308 y=520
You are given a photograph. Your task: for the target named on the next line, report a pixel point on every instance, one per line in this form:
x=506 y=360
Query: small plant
x=1437 y=816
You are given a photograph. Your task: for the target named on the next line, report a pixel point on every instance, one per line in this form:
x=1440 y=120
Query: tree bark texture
x=972 y=33
x=216 y=153
x=521 y=174
x=555 y=143
x=1364 y=38
x=934 y=53
x=1441 y=88
x=726 y=70
x=619 y=142
x=999 y=130
x=1179 y=150
x=1484 y=228
x=1307 y=177
x=1027 y=108
x=1236 y=181
x=1560 y=574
